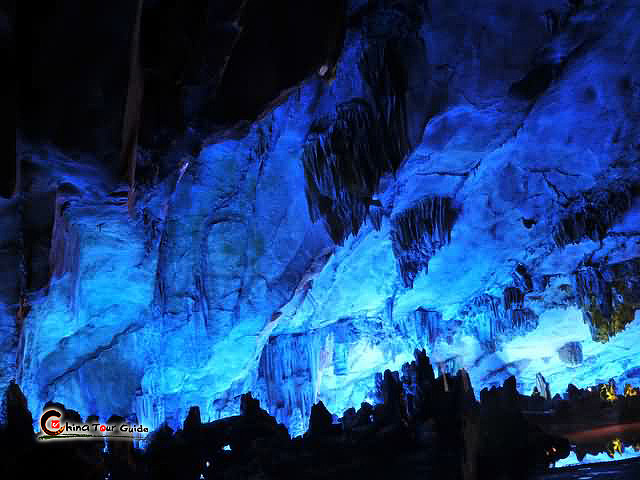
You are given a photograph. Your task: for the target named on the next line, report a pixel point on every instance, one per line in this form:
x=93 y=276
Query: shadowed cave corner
x=420 y=424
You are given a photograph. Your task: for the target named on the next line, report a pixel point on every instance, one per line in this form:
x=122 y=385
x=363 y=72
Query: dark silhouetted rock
x=321 y=420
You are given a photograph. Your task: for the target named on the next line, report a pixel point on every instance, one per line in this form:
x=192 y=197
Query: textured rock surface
x=463 y=180
x=419 y=425
x=571 y=353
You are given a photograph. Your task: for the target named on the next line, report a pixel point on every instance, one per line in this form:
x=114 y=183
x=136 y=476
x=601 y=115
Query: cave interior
x=334 y=239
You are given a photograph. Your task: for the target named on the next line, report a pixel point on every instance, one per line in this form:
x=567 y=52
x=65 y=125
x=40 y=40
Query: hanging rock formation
x=320 y=189
x=609 y=296
x=419 y=232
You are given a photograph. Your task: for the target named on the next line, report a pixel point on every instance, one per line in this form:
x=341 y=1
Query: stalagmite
x=543 y=387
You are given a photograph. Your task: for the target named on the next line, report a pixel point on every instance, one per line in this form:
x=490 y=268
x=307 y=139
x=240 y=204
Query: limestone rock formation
x=442 y=432
x=308 y=194
x=571 y=353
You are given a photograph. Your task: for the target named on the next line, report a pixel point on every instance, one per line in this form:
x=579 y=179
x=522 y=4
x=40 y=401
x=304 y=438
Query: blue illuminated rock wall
x=336 y=363
x=447 y=189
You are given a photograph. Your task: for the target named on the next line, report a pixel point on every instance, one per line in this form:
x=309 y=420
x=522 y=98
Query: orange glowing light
x=615 y=446
x=618 y=446
x=629 y=391
x=608 y=392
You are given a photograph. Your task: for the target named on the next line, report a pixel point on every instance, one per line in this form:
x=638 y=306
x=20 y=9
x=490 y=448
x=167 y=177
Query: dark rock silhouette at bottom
x=423 y=427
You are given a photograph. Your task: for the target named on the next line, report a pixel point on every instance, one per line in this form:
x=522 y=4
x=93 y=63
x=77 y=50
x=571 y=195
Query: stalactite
x=608 y=296
x=481 y=318
x=592 y=214
x=63 y=255
x=543 y=386
x=429 y=325
x=287 y=366
x=344 y=159
x=592 y=290
x=419 y=232
x=517 y=318
x=520 y=320
x=492 y=320
x=513 y=298
x=346 y=155
x=450 y=366
x=295 y=369
x=132 y=114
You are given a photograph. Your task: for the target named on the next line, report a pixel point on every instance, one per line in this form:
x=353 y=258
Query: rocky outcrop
x=571 y=353
x=421 y=424
x=609 y=296
x=543 y=387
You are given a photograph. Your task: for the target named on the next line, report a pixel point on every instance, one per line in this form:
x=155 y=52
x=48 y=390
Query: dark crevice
x=533 y=83
x=80 y=362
